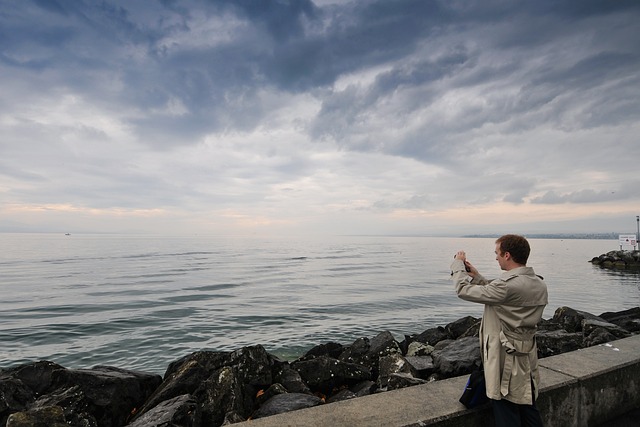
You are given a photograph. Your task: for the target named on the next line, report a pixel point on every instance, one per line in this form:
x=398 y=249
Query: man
x=513 y=306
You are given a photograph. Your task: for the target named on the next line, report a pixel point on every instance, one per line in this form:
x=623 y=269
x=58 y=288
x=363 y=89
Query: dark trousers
x=509 y=414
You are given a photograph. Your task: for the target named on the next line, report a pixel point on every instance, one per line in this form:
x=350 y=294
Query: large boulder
x=422 y=366
x=183 y=378
x=208 y=360
x=458 y=358
x=323 y=373
x=285 y=403
x=225 y=384
x=49 y=394
x=76 y=406
x=181 y=411
x=15 y=396
x=598 y=336
x=432 y=336
x=392 y=364
x=368 y=352
x=627 y=319
x=596 y=332
x=458 y=328
x=331 y=349
x=553 y=342
x=37 y=376
x=222 y=396
x=230 y=393
x=254 y=366
x=274 y=389
x=110 y=394
x=291 y=380
x=571 y=320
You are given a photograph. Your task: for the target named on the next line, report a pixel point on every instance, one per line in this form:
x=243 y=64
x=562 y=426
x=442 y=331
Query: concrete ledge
x=583 y=388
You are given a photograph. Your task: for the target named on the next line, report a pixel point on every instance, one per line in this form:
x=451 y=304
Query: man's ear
x=507 y=256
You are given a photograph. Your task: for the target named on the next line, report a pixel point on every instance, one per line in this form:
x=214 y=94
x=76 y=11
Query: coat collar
x=518 y=271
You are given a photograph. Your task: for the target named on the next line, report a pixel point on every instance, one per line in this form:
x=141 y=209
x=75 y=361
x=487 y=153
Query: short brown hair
x=517 y=246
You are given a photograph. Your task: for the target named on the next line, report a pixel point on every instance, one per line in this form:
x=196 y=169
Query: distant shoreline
x=589 y=236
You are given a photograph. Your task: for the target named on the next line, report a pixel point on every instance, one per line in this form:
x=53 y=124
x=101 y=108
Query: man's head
x=512 y=251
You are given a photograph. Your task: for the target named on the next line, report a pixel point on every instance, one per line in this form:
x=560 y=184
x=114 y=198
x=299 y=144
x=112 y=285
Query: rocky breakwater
x=618 y=260
x=211 y=388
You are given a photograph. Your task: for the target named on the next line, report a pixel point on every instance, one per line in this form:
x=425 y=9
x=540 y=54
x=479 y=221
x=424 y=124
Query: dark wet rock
x=345 y=394
x=324 y=373
x=402 y=380
x=222 y=395
x=551 y=343
x=432 y=336
x=441 y=345
x=273 y=390
x=15 y=396
x=183 y=377
x=392 y=364
x=109 y=394
x=356 y=352
x=422 y=366
x=76 y=406
x=589 y=325
x=459 y=327
x=620 y=259
x=181 y=411
x=458 y=358
x=286 y=403
x=254 y=365
x=549 y=325
x=626 y=319
x=103 y=395
x=364 y=388
x=331 y=349
x=291 y=380
x=571 y=320
x=473 y=331
x=382 y=345
x=50 y=416
x=232 y=381
x=367 y=352
x=598 y=336
x=209 y=361
x=37 y=376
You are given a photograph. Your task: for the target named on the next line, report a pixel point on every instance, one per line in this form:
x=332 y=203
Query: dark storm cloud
x=296 y=46
x=573 y=66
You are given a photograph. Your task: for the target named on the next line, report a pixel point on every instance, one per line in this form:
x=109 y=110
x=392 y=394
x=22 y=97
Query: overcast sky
x=339 y=117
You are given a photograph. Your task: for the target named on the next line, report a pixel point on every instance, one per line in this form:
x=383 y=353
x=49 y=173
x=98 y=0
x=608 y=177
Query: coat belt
x=512 y=353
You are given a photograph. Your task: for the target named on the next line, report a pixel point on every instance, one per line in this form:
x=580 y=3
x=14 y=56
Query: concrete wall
x=583 y=388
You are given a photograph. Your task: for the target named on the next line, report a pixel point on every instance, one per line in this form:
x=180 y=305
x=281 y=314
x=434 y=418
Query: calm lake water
x=140 y=302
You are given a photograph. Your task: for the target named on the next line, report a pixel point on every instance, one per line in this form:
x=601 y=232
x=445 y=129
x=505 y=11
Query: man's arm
x=478 y=289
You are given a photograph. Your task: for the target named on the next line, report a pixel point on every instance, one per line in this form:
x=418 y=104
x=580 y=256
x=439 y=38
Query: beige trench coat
x=513 y=306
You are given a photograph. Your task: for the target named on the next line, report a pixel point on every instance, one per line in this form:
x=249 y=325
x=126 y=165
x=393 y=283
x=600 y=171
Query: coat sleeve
x=478 y=290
